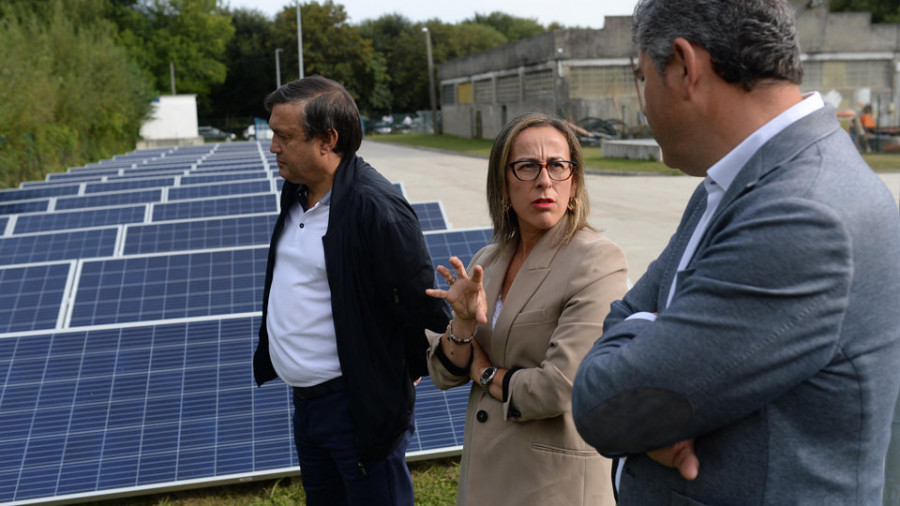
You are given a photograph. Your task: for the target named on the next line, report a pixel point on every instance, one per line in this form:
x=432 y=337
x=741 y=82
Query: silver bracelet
x=457 y=340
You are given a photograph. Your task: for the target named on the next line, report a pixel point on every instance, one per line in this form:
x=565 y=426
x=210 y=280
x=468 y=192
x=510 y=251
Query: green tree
x=68 y=94
x=192 y=34
x=334 y=49
x=513 y=28
x=250 y=59
x=883 y=11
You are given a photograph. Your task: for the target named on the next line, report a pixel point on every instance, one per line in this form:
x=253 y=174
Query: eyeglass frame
x=572 y=166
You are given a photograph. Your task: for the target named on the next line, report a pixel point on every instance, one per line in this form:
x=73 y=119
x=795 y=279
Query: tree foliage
x=250 y=59
x=191 y=34
x=883 y=11
x=69 y=94
x=512 y=27
x=335 y=49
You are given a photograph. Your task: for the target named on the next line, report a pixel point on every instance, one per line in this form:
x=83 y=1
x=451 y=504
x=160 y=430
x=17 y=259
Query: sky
x=569 y=13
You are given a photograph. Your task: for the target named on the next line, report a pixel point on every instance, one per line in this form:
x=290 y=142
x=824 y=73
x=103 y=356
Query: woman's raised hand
x=466 y=295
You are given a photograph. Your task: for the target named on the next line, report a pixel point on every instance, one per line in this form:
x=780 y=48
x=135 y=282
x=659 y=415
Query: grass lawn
x=434 y=482
x=593 y=158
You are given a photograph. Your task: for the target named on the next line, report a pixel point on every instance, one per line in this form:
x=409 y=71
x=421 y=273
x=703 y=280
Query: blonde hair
x=503 y=217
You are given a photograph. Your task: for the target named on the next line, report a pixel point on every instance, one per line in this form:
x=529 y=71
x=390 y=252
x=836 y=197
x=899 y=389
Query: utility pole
x=299 y=40
x=431 y=96
x=172 y=75
x=278 y=68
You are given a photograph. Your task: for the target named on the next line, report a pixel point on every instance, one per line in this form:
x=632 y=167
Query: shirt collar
x=725 y=170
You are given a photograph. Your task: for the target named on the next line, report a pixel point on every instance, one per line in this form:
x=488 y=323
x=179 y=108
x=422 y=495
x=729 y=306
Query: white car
x=250 y=133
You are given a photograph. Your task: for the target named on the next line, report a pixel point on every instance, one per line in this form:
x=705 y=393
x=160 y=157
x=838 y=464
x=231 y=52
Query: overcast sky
x=570 y=13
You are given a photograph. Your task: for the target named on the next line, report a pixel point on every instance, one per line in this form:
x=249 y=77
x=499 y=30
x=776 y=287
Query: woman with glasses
x=525 y=313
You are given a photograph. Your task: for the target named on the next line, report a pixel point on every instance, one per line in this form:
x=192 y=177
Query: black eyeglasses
x=529 y=170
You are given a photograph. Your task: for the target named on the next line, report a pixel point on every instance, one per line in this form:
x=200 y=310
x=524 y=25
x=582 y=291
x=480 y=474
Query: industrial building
x=586 y=73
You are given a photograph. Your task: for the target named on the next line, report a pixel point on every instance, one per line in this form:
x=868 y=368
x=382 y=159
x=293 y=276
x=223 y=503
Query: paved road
x=640 y=213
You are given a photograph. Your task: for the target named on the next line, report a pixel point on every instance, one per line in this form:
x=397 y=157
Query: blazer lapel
x=528 y=280
x=696 y=207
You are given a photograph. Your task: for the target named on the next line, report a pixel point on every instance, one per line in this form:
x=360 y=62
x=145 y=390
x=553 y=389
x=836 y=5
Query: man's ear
x=688 y=62
x=327 y=141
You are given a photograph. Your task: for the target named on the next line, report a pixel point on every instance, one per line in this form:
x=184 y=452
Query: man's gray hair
x=749 y=41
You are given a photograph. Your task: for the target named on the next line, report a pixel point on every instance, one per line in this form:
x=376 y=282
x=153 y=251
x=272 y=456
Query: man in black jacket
x=344 y=308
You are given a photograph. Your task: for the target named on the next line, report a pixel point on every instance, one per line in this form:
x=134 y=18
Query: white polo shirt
x=302 y=342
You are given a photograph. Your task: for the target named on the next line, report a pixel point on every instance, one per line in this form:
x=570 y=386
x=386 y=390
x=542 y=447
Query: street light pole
x=299 y=40
x=278 y=68
x=431 y=96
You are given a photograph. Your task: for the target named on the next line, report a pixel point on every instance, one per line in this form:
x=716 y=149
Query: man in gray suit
x=758 y=359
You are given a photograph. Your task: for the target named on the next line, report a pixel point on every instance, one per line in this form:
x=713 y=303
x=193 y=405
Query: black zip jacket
x=378 y=269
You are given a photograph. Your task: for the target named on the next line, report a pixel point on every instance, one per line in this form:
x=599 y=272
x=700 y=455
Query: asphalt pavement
x=639 y=213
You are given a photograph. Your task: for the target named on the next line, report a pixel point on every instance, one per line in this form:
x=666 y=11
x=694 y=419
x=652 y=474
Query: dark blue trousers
x=330 y=466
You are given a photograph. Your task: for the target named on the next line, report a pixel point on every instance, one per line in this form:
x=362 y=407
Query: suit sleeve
x=753 y=316
x=545 y=391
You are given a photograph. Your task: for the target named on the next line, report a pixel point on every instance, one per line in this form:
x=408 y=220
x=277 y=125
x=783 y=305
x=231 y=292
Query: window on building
x=538 y=84
x=448 y=94
x=599 y=82
x=509 y=89
x=464 y=93
x=484 y=91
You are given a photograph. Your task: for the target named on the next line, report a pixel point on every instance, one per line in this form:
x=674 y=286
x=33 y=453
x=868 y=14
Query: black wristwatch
x=487 y=376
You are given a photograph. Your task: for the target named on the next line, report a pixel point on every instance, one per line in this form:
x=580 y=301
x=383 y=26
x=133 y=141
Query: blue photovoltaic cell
x=463 y=244
x=164 y=287
x=431 y=215
x=128 y=184
x=88 y=411
x=219 y=190
x=30 y=298
x=81 y=175
x=109 y=199
x=51 y=246
x=4 y=220
x=44 y=222
x=26 y=206
x=213 y=207
x=200 y=178
x=37 y=193
x=199 y=234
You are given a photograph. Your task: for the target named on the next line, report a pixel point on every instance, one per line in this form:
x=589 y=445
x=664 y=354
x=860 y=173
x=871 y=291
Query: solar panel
x=203 y=190
x=25 y=206
x=150 y=406
x=460 y=243
x=431 y=215
x=216 y=207
x=45 y=222
x=109 y=199
x=128 y=184
x=36 y=193
x=163 y=287
x=199 y=234
x=31 y=296
x=65 y=245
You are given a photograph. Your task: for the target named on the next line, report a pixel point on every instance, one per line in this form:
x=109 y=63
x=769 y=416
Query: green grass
x=434 y=483
x=593 y=158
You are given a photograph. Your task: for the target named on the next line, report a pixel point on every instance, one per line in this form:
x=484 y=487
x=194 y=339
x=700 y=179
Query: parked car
x=250 y=133
x=211 y=133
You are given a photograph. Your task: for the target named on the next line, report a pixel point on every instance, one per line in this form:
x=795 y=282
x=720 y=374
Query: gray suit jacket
x=780 y=350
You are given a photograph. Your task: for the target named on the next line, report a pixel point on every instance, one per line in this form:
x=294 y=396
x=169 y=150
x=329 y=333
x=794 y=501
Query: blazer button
x=481 y=416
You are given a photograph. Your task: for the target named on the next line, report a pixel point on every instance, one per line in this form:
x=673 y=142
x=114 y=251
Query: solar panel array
x=129 y=308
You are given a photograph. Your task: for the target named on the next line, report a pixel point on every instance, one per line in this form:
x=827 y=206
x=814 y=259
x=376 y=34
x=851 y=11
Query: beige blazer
x=526 y=450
